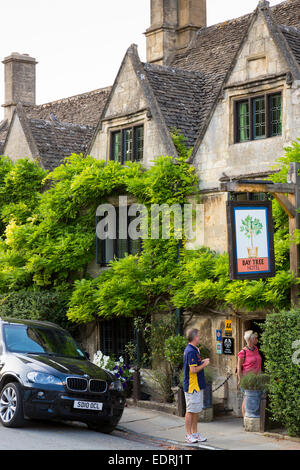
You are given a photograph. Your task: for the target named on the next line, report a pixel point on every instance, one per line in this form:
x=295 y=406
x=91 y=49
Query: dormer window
x=127 y=145
x=258 y=117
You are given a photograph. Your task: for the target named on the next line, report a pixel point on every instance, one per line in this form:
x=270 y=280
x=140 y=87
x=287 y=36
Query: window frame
x=115 y=334
x=268 y=121
x=123 y=131
x=101 y=244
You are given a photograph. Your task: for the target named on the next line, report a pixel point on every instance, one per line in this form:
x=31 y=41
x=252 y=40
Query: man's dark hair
x=191 y=334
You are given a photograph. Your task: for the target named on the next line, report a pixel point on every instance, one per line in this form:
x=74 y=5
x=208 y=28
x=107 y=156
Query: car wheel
x=104 y=427
x=11 y=406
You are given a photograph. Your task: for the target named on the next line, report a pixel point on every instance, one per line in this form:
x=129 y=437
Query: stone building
x=49 y=132
x=232 y=89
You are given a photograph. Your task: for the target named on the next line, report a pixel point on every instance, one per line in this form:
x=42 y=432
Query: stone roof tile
x=292 y=35
x=56 y=141
x=85 y=108
x=212 y=51
x=182 y=96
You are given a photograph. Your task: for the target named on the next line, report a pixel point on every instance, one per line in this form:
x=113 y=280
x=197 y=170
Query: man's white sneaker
x=199 y=438
x=191 y=439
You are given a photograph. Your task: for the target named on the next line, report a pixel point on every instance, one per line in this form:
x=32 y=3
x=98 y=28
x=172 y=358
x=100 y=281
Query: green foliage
x=156 y=335
x=21 y=183
x=254 y=381
x=37 y=305
x=281 y=346
x=174 y=349
x=49 y=237
x=180 y=144
x=203 y=280
x=291 y=155
x=281 y=222
x=48 y=241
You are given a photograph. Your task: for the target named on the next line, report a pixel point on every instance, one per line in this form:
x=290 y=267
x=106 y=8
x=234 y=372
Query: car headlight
x=41 y=378
x=116 y=385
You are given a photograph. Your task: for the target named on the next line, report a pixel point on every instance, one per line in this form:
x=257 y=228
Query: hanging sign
x=228 y=327
x=228 y=346
x=250 y=239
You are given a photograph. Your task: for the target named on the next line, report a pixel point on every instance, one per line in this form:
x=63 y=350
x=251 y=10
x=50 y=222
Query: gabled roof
x=213 y=48
x=51 y=141
x=213 y=51
x=68 y=131
x=182 y=97
x=85 y=108
x=3 y=133
x=148 y=91
x=292 y=36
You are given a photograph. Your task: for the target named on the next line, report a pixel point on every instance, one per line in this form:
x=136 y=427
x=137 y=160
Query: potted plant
x=254 y=386
x=251 y=227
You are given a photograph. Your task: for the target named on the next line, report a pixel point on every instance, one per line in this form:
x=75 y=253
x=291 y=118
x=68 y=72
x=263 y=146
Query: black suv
x=45 y=375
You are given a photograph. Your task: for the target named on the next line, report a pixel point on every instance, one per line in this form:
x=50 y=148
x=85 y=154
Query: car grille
x=97 y=386
x=78 y=384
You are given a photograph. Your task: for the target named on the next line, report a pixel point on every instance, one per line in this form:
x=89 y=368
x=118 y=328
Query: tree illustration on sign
x=251 y=227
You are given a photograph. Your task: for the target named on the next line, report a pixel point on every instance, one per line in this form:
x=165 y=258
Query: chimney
x=19 y=78
x=173 y=24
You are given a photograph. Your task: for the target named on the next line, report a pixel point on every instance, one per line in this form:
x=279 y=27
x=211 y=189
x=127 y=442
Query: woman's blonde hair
x=249 y=335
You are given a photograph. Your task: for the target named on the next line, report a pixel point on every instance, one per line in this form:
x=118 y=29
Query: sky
x=79 y=44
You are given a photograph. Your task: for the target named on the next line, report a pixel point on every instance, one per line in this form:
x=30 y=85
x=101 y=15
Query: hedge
x=281 y=345
x=36 y=305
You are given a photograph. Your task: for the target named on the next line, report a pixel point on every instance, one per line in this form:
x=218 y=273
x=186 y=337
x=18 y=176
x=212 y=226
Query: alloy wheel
x=8 y=404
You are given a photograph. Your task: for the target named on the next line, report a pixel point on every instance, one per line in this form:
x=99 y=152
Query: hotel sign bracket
x=288 y=196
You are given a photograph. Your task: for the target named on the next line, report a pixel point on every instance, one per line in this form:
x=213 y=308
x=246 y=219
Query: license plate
x=88 y=405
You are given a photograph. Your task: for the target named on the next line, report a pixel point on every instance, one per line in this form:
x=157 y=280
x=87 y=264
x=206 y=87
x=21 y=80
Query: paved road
x=39 y=435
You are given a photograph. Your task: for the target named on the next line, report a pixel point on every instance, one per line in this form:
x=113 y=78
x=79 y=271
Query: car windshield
x=37 y=339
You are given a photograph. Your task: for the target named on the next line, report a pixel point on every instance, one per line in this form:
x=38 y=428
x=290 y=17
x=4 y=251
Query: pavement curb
x=153 y=405
x=169 y=441
x=285 y=437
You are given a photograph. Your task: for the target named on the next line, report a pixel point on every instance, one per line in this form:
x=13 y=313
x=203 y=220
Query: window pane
x=122 y=248
x=105 y=249
x=116 y=146
x=139 y=143
x=258 y=197
x=108 y=250
x=243 y=121
x=114 y=335
x=275 y=115
x=135 y=246
x=259 y=118
x=128 y=142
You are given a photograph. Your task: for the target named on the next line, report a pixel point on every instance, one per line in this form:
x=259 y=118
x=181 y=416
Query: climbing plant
x=48 y=241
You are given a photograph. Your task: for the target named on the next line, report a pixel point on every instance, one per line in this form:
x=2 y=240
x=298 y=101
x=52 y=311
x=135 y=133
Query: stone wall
x=17 y=145
x=259 y=68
